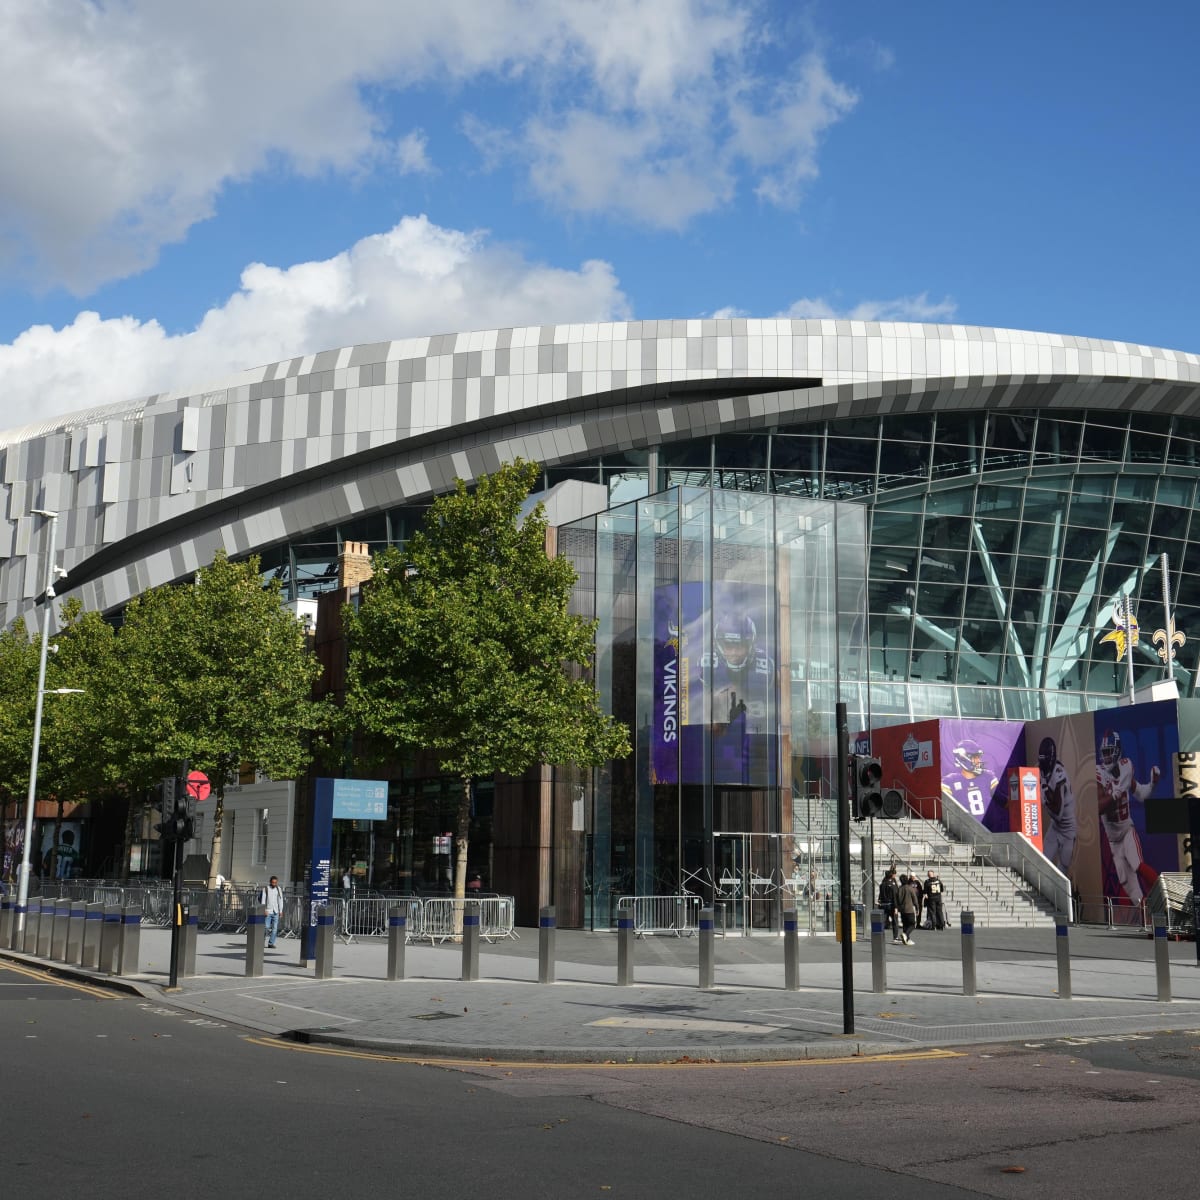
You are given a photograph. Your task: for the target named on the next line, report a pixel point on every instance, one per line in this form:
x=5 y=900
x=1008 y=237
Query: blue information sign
x=359 y=799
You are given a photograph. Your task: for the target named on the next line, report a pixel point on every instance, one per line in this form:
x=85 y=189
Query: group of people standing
x=902 y=899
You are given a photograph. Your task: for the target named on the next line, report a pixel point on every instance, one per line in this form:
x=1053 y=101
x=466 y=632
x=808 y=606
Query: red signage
x=1025 y=803
x=198 y=787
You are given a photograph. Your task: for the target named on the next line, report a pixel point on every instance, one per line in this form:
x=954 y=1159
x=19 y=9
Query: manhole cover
x=434 y=1016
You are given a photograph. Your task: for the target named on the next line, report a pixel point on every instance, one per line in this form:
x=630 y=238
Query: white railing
x=441 y=918
x=677 y=915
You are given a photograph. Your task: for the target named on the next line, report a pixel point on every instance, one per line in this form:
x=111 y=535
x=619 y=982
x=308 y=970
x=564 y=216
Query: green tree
x=215 y=672
x=80 y=676
x=463 y=647
x=18 y=688
x=74 y=712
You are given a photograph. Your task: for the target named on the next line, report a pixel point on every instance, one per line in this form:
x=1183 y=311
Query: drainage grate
x=434 y=1016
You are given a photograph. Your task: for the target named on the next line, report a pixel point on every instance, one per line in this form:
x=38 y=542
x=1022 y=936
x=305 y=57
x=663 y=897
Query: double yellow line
x=44 y=976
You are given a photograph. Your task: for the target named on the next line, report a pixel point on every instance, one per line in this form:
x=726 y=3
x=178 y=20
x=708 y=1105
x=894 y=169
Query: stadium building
x=927 y=522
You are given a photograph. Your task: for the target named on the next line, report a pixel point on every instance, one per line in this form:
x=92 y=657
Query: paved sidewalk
x=664 y=1016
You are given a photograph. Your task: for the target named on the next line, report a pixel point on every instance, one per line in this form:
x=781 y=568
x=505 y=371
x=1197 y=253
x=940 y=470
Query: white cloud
x=902 y=308
x=128 y=117
x=416 y=278
x=412 y=156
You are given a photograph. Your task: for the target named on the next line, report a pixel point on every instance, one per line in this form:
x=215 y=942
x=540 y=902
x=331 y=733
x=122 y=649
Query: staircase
x=998 y=896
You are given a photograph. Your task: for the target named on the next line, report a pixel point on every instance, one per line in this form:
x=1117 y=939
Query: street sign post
x=198 y=787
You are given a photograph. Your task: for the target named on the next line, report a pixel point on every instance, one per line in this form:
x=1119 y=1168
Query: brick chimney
x=354 y=565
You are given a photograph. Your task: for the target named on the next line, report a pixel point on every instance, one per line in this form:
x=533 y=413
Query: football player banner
x=1025 y=803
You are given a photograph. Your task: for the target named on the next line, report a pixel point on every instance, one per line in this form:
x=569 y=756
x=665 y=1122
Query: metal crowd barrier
x=441 y=918
x=1123 y=913
x=678 y=915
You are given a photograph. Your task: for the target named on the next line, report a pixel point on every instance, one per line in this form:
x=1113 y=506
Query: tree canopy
x=463 y=646
x=214 y=671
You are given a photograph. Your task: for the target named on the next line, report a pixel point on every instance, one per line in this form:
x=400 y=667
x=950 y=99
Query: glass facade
x=1001 y=543
x=726 y=620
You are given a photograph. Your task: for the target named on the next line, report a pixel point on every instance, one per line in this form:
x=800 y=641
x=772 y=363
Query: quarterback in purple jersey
x=970 y=785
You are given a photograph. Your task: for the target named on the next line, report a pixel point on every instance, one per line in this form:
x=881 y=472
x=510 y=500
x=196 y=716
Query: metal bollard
x=93 y=926
x=791 y=951
x=45 y=929
x=470 y=941
x=325 y=930
x=1063 y=948
x=547 y=932
x=625 y=935
x=707 y=950
x=190 y=932
x=130 y=948
x=256 y=933
x=110 y=938
x=20 y=926
x=878 y=952
x=75 y=925
x=1162 y=960
x=6 y=921
x=968 y=952
x=397 y=936
x=58 y=930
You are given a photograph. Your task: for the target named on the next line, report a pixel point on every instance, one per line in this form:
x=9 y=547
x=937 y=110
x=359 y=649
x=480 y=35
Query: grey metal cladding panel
x=502 y=361
x=373 y=352
x=487 y=396
x=546 y=335
x=545 y=358
x=277 y=410
x=648 y=360
x=503 y=338
x=458 y=366
x=458 y=401
x=474 y=364
x=326 y=360
x=695 y=354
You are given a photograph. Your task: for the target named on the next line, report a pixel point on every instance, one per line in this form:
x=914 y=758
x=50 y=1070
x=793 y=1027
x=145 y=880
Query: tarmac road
x=108 y=1093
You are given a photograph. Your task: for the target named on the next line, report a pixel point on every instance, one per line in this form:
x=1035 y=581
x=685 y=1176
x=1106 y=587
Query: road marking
x=463 y=1064
x=684 y=1024
x=47 y=978
x=301 y=1008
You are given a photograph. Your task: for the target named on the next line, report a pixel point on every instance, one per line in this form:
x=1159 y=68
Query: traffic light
x=893 y=803
x=177 y=823
x=866 y=798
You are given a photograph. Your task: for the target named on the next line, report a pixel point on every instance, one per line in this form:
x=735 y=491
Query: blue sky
x=189 y=190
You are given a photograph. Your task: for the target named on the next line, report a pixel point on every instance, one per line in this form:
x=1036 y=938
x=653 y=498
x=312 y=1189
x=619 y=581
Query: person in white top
x=1117 y=790
x=272 y=897
x=1059 y=799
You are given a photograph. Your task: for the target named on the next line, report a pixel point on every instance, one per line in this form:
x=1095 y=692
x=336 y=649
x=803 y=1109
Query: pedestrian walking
x=934 y=905
x=272 y=897
x=909 y=906
x=889 y=898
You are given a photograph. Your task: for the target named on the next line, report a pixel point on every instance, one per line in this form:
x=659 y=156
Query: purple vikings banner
x=726 y=683
x=668 y=706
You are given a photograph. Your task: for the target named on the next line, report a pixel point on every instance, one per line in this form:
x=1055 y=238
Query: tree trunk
x=214 y=849
x=462 y=844
x=54 y=845
x=462 y=841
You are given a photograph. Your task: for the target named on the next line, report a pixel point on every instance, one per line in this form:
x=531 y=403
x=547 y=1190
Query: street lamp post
x=51 y=575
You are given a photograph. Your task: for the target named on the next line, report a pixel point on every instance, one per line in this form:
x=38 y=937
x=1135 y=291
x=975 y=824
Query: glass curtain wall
x=725 y=620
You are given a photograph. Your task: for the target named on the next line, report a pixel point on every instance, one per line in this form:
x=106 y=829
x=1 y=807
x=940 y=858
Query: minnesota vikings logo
x=1117 y=636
